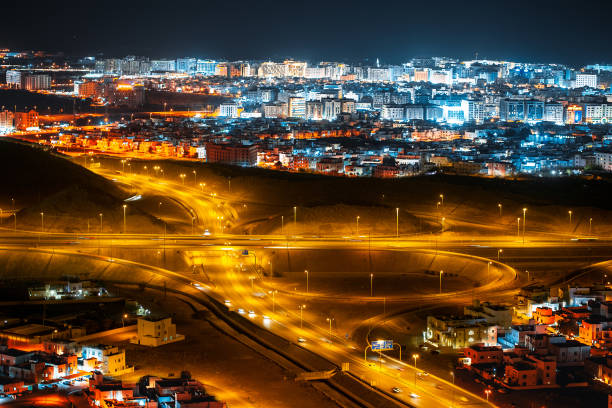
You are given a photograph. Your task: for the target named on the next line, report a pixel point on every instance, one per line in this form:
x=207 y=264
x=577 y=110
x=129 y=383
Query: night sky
x=573 y=32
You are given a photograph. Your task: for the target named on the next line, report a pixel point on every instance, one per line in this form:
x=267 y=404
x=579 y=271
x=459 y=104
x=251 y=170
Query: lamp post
x=487 y=393
x=295 y=219
x=441 y=273
x=306 y=272
x=500 y=209
x=301 y=307
x=42 y=222
x=195 y=177
x=371 y=284
x=590 y=225
x=397 y=222
x=437 y=205
x=124 y=218
x=452 y=373
x=202 y=187
x=518 y=227
x=100 y=222
x=182 y=176
x=499 y=251
x=357 y=225
x=330 y=320
x=570 y=220
x=488 y=270
x=15 y=217
x=123 y=166
x=415 y=356
x=443 y=219
x=442 y=199
x=282 y=224
x=528 y=276
x=524 y=223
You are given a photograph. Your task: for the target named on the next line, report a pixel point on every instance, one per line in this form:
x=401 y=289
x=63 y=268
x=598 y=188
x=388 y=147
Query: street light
x=371 y=284
x=441 y=273
x=500 y=209
x=306 y=272
x=487 y=393
x=570 y=220
x=195 y=177
x=415 y=356
x=123 y=166
x=301 y=307
x=437 y=205
x=202 y=186
x=452 y=373
x=182 y=176
x=499 y=251
x=124 y=222
x=330 y=320
x=518 y=227
x=590 y=225
x=397 y=222
x=100 y=222
x=295 y=219
x=42 y=222
x=443 y=219
x=282 y=224
x=357 y=225
x=442 y=199
x=524 y=223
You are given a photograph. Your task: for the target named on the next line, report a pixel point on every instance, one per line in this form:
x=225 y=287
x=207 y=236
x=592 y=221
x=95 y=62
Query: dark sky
x=574 y=32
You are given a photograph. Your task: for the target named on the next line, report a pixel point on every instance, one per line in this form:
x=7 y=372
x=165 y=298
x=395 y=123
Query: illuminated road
x=231 y=282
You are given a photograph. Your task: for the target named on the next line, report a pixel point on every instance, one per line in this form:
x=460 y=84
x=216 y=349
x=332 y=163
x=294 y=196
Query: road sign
x=382 y=345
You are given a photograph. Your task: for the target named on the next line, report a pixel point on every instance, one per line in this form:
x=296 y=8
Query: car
x=422 y=374
x=413 y=395
x=241 y=311
x=434 y=352
x=396 y=390
x=206 y=232
x=301 y=340
x=252 y=313
x=227 y=302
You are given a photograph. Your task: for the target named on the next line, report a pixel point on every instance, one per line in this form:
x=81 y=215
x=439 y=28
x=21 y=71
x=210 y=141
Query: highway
x=227 y=278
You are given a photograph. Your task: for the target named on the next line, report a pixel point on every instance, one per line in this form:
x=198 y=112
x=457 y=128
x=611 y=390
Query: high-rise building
x=393 y=112
x=163 y=65
x=584 y=79
x=228 y=110
x=511 y=110
x=553 y=112
x=297 y=107
x=271 y=69
x=186 y=65
x=6 y=120
x=26 y=120
x=296 y=68
x=206 y=67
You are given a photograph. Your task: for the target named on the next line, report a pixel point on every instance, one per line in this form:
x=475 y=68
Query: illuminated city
x=315 y=219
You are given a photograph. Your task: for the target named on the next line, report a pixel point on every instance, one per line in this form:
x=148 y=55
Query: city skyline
x=318 y=31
